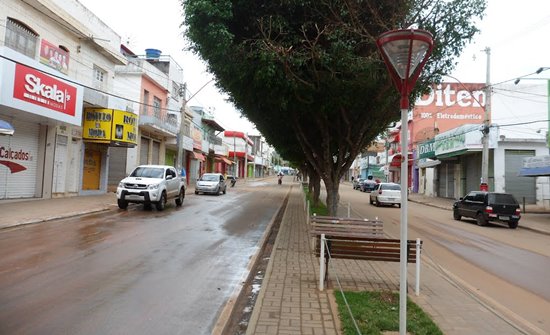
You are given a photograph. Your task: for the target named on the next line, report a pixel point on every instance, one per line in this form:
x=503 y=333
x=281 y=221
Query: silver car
x=386 y=194
x=213 y=183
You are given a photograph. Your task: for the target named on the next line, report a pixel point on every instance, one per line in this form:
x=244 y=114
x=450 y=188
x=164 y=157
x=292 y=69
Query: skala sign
x=43 y=90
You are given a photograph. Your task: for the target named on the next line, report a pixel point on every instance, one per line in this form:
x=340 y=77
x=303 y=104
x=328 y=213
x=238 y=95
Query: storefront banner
x=34 y=88
x=54 y=56
x=111 y=126
x=449 y=105
x=196 y=134
x=426 y=149
x=124 y=127
x=466 y=137
x=97 y=125
x=187 y=143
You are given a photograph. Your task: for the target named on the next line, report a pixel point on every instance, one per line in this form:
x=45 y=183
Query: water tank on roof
x=152 y=53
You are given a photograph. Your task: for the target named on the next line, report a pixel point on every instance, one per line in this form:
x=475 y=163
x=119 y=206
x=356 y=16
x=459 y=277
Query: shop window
x=100 y=78
x=21 y=38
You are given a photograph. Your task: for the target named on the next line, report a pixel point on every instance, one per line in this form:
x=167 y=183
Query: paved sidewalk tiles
x=290 y=302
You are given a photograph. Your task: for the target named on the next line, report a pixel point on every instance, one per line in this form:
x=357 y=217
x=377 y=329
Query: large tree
x=311 y=67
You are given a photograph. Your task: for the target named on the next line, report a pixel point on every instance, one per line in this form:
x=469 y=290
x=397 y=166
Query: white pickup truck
x=151 y=184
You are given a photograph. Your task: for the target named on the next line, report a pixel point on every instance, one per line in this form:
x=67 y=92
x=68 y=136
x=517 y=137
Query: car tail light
x=489 y=210
x=518 y=211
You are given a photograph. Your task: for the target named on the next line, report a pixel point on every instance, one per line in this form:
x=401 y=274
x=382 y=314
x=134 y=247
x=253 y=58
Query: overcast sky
x=516 y=31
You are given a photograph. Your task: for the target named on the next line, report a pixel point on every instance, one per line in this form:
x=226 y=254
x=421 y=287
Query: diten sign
x=447 y=97
x=43 y=90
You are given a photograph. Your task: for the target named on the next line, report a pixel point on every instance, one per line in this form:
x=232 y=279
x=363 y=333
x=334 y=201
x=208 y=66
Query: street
x=508 y=267
x=135 y=271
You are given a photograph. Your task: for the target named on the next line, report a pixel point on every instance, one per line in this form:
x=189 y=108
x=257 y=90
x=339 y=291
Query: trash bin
x=484 y=187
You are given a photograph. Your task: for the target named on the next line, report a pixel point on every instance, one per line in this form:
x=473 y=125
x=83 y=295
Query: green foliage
x=376 y=312
x=308 y=73
x=320 y=209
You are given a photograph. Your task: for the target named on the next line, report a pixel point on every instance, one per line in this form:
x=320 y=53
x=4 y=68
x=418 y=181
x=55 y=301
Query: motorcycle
x=280 y=181
x=233 y=180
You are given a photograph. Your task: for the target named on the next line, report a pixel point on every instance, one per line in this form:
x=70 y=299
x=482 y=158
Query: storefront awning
x=395 y=160
x=535 y=172
x=198 y=156
x=224 y=159
x=428 y=163
x=6 y=128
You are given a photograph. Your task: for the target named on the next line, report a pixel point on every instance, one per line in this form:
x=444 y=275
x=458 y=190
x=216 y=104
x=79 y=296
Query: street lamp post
x=405 y=51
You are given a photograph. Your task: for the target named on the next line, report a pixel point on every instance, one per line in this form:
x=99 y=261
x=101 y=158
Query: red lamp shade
x=405 y=51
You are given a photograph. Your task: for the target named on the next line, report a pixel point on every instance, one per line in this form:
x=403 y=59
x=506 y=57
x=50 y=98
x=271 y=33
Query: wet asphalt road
x=136 y=271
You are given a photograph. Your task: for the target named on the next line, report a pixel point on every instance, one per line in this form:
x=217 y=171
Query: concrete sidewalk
x=290 y=302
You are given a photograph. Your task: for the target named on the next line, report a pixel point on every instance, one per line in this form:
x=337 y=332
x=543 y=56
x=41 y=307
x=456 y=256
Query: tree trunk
x=333 y=197
x=315 y=188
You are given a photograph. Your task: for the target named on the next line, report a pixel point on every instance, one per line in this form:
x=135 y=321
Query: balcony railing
x=165 y=122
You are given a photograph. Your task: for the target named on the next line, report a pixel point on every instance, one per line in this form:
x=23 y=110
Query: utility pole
x=245 y=156
x=179 y=161
x=235 y=171
x=486 y=129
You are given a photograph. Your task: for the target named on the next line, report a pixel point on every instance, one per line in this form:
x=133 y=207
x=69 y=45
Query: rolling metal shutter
x=520 y=187
x=144 y=151
x=156 y=153
x=472 y=170
x=117 y=165
x=446 y=180
x=20 y=184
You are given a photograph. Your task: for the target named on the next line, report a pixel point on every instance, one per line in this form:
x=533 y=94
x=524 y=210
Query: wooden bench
x=369 y=249
x=344 y=227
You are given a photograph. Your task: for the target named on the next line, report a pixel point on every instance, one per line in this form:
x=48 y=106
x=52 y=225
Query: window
x=187 y=128
x=157 y=103
x=145 y=105
x=100 y=78
x=175 y=91
x=21 y=38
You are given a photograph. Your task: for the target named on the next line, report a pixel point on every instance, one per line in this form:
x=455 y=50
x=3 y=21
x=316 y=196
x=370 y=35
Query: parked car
x=151 y=184
x=368 y=185
x=213 y=183
x=488 y=206
x=386 y=194
x=357 y=183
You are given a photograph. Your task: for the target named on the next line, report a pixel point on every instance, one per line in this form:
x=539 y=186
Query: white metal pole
x=322 y=264
x=485 y=139
x=418 y=250
x=403 y=230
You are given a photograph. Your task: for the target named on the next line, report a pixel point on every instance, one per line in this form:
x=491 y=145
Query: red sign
x=54 y=56
x=43 y=90
x=449 y=105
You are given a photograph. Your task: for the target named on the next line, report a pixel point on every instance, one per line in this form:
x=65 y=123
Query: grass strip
x=377 y=312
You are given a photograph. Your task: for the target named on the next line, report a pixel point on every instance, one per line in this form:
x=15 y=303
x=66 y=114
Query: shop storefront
x=102 y=129
x=41 y=158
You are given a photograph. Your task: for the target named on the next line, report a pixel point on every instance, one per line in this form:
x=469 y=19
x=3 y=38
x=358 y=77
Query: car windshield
x=210 y=177
x=394 y=187
x=148 y=172
x=501 y=198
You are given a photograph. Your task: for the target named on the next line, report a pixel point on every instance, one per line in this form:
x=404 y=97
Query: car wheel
x=181 y=196
x=377 y=203
x=122 y=204
x=513 y=224
x=218 y=191
x=370 y=200
x=398 y=205
x=162 y=202
x=456 y=216
x=196 y=192
x=481 y=219
x=225 y=190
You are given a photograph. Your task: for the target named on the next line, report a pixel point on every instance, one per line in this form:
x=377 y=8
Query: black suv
x=488 y=206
